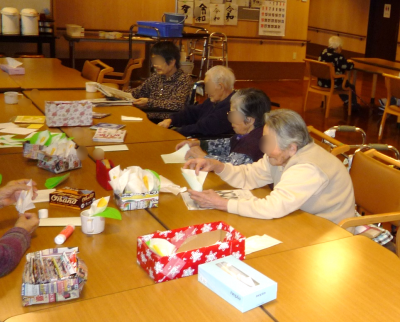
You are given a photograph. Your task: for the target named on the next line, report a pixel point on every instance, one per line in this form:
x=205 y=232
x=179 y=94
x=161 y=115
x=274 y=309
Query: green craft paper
x=110 y=213
x=1 y=178
x=55 y=181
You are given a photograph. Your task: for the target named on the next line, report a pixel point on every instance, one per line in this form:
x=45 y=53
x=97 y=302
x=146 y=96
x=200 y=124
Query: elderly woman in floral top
x=246 y=115
x=166 y=90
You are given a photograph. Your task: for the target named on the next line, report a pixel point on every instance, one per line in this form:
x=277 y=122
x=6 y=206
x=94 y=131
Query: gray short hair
x=222 y=75
x=289 y=127
x=335 y=42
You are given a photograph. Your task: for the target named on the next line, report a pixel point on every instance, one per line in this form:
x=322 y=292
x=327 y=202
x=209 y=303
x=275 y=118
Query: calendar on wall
x=273 y=18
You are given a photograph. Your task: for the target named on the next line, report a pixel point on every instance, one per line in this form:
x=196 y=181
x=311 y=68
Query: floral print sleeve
x=233 y=158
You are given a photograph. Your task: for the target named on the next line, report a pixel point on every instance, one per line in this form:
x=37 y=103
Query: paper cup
x=92 y=225
x=91 y=87
x=11 y=97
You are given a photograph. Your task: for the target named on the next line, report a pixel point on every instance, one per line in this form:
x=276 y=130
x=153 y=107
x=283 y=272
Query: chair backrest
x=319 y=69
x=392 y=86
x=132 y=64
x=90 y=71
x=376 y=185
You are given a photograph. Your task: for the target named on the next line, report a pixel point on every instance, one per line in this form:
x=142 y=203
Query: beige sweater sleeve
x=297 y=185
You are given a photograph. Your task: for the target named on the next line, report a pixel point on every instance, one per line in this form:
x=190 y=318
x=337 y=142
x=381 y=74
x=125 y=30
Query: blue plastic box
x=166 y=29
x=220 y=276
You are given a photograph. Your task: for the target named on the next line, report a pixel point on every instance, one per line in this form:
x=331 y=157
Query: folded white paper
x=195 y=182
x=7 y=125
x=24 y=201
x=13 y=62
x=18 y=130
x=131 y=118
x=256 y=243
x=167 y=185
x=98 y=206
x=111 y=148
x=43 y=195
x=177 y=156
x=60 y=222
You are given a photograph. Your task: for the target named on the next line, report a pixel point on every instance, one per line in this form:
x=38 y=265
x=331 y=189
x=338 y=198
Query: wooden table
x=296 y=230
x=47 y=73
x=143 y=131
x=7 y=83
x=351 y=279
x=374 y=66
x=110 y=256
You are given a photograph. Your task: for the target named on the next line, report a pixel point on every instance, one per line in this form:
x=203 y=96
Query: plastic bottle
x=64 y=234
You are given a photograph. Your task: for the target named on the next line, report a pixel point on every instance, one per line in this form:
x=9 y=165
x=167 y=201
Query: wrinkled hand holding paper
x=167 y=185
x=177 y=156
x=24 y=201
x=256 y=243
x=13 y=62
x=195 y=182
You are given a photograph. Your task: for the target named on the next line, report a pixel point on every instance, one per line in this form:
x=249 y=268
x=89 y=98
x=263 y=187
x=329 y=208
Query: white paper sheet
x=110 y=148
x=256 y=243
x=43 y=195
x=7 y=125
x=177 y=156
x=195 y=182
x=167 y=185
x=18 y=130
x=24 y=201
x=60 y=222
x=13 y=62
x=131 y=118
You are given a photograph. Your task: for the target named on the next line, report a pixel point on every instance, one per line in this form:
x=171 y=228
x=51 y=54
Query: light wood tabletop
x=296 y=230
x=351 y=279
x=110 y=256
x=137 y=131
x=47 y=73
x=7 y=83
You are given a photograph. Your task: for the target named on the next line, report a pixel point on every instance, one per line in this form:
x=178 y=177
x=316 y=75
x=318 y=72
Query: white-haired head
x=335 y=42
x=222 y=75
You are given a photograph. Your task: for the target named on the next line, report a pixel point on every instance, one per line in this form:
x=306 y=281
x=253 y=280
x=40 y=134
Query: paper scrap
x=30 y=119
x=60 y=222
x=55 y=181
x=17 y=130
x=195 y=182
x=43 y=195
x=256 y=243
x=7 y=125
x=177 y=156
x=167 y=185
x=24 y=201
x=13 y=62
x=34 y=126
x=131 y=118
x=110 y=148
x=110 y=213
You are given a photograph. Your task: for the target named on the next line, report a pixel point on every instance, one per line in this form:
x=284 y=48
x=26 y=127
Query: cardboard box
x=237 y=283
x=68 y=113
x=56 y=163
x=72 y=198
x=31 y=151
x=195 y=245
x=133 y=201
x=12 y=70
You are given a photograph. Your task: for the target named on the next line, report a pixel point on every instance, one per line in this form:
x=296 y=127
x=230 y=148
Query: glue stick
x=64 y=234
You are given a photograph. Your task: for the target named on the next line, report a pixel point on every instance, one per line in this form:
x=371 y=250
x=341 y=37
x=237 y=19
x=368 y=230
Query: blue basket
x=166 y=29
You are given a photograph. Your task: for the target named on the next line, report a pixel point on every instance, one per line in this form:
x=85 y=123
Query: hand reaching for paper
x=207 y=165
x=28 y=221
x=209 y=199
x=141 y=102
x=10 y=192
x=190 y=143
x=195 y=152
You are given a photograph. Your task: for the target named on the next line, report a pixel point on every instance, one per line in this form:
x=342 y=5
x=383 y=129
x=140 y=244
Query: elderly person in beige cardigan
x=305 y=176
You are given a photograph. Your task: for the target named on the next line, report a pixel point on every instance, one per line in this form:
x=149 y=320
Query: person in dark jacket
x=208 y=118
x=333 y=55
x=246 y=115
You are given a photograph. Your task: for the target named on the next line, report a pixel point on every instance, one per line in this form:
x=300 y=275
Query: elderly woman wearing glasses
x=247 y=109
x=305 y=176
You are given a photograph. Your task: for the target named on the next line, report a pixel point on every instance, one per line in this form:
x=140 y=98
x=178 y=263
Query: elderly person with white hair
x=208 y=118
x=305 y=176
x=333 y=55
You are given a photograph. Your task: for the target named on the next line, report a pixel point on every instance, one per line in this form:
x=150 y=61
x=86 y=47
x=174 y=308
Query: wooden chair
x=317 y=69
x=95 y=70
x=335 y=147
x=393 y=90
x=124 y=78
x=376 y=187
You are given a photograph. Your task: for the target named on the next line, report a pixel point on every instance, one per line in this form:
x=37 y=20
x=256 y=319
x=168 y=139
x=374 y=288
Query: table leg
x=72 y=53
x=374 y=81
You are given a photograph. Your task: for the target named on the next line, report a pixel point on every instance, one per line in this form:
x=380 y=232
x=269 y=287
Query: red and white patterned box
x=68 y=113
x=182 y=264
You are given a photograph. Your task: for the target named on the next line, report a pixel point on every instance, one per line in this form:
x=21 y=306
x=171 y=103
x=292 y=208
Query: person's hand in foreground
x=195 y=152
x=28 y=221
x=209 y=199
x=191 y=143
x=141 y=102
x=11 y=191
x=207 y=165
x=166 y=123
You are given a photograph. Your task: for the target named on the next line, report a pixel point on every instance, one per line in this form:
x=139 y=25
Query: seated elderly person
x=248 y=107
x=333 y=55
x=208 y=118
x=305 y=176
x=166 y=90
x=15 y=241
